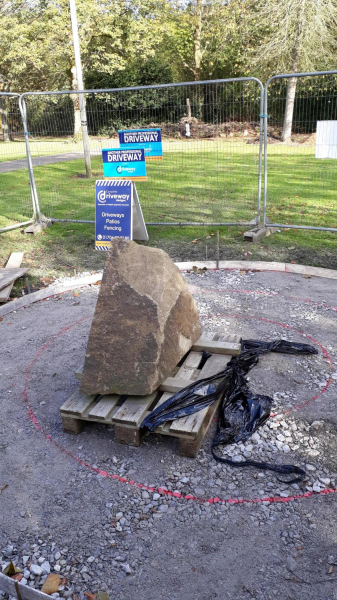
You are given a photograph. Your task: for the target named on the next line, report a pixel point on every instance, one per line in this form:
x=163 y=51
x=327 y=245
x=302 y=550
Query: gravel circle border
x=224 y=265
x=212 y=500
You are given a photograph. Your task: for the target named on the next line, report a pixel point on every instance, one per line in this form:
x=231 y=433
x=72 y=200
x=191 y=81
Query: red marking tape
x=309 y=337
x=162 y=490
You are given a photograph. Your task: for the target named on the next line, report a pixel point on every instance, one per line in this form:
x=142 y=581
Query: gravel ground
x=60 y=515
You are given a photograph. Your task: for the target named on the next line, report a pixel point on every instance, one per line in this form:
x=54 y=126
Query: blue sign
x=114 y=202
x=149 y=139
x=124 y=164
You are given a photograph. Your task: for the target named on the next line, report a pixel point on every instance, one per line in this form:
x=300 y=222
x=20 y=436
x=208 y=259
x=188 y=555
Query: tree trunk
x=4 y=119
x=292 y=82
x=188 y=104
x=77 y=119
x=77 y=111
x=289 y=111
x=197 y=40
x=198 y=54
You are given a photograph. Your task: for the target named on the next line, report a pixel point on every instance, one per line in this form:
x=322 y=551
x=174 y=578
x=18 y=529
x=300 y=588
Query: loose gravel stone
x=36 y=570
x=97 y=533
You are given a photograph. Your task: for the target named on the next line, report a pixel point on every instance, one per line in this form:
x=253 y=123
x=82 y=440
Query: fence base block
x=38 y=226
x=255 y=235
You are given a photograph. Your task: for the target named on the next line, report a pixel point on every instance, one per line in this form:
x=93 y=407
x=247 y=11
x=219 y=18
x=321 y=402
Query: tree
x=204 y=37
x=292 y=36
x=36 y=51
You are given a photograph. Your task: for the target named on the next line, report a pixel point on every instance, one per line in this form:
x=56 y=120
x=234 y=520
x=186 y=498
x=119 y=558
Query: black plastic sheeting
x=241 y=411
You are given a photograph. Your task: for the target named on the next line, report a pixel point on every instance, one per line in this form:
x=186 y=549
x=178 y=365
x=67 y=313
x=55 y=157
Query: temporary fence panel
x=16 y=208
x=211 y=168
x=300 y=171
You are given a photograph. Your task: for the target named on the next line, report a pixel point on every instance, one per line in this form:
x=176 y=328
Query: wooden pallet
x=127 y=412
x=13 y=262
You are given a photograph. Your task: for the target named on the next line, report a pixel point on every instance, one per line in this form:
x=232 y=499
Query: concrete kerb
x=73 y=284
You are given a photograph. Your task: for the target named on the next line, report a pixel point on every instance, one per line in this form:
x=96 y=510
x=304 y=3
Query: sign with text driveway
x=149 y=139
x=118 y=213
x=124 y=164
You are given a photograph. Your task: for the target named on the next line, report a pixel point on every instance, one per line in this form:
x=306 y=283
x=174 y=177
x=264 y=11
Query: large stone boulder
x=144 y=323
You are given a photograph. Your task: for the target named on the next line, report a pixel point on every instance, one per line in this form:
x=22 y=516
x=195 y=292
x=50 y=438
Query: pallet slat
x=133 y=410
x=104 y=407
x=217 y=347
x=8 y=276
x=173 y=384
x=189 y=366
x=13 y=262
x=192 y=423
x=187 y=375
x=77 y=404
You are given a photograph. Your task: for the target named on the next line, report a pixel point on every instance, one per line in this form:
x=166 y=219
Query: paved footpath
x=15 y=165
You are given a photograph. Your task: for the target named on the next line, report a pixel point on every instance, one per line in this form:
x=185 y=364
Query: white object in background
x=326 y=139
x=188 y=131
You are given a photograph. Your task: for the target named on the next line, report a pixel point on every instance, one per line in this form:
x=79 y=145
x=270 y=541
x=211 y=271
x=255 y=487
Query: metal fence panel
x=211 y=170
x=300 y=187
x=16 y=208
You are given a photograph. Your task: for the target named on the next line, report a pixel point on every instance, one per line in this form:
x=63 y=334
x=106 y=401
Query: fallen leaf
x=331 y=570
x=11 y=569
x=90 y=596
x=194 y=241
x=3 y=487
x=306 y=276
x=52 y=584
x=1 y=319
x=17 y=576
x=46 y=280
x=75 y=294
x=97 y=282
x=293 y=262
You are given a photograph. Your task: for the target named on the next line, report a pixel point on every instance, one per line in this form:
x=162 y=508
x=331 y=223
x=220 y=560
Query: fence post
x=35 y=200
x=31 y=220
x=284 y=76
x=265 y=143
x=259 y=184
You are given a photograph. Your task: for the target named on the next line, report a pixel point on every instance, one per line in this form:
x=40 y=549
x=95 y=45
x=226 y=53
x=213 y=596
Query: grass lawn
x=195 y=182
